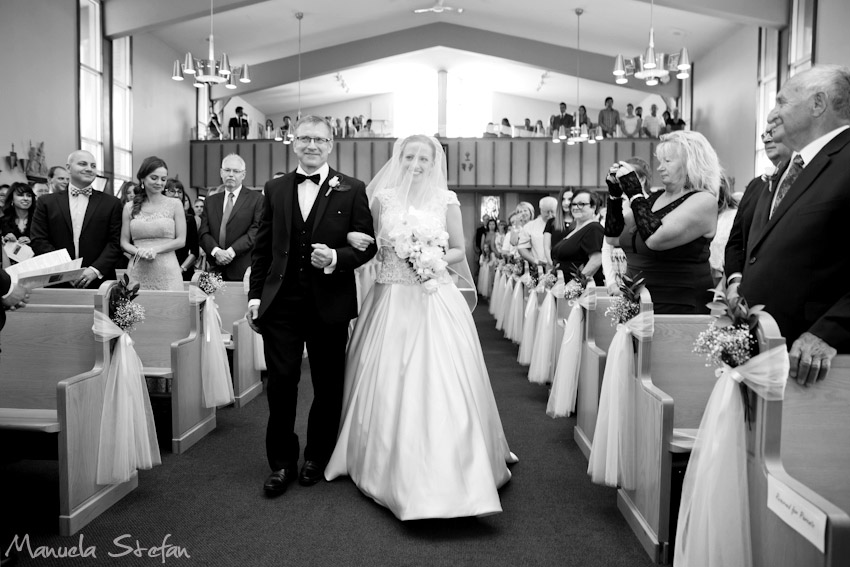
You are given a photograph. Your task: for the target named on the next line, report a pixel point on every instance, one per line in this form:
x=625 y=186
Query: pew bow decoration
x=215 y=369
x=612 y=458
x=127 y=432
x=562 y=398
x=714 y=514
x=543 y=346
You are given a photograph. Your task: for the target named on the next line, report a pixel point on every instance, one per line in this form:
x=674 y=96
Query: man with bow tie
x=302 y=290
x=230 y=222
x=86 y=223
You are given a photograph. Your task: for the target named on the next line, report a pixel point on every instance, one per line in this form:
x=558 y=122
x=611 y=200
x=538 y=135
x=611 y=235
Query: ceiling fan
x=438 y=8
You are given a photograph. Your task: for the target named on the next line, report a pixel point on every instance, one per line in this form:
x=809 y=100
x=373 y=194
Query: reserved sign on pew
x=797 y=512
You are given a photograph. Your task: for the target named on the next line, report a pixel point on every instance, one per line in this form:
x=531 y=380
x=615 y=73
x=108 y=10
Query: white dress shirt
x=79 y=204
x=531 y=238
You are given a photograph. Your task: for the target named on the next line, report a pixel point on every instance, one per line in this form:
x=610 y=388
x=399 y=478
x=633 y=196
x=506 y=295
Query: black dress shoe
x=311 y=473
x=277 y=482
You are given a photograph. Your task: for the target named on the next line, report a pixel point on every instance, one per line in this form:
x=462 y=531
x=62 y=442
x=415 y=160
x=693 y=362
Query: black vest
x=296 y=279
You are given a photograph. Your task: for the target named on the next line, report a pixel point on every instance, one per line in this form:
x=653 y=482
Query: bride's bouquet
x=421 y=240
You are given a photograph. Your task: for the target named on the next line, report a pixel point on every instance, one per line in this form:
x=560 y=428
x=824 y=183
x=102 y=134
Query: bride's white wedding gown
x=420 y=433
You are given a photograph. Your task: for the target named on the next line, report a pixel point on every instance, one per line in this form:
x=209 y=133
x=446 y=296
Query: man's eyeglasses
x=579 y=205
x=307 y=140
x=766 y=136
x=228 y=171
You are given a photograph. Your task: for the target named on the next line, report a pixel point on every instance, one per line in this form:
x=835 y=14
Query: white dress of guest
x=420 y=432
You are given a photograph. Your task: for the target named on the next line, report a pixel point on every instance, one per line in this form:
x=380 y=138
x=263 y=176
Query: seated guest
x=17 y=214
x=667 y=239
x=560 y=225
x=490 y=131
x=188 y=255
x=583 y=245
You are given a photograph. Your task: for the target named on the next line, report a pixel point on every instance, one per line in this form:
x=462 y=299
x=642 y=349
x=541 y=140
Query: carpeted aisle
x=210 y=501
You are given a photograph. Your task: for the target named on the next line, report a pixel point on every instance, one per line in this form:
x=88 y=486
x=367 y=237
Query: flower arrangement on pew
x=215 y=369
x=729 y=338
x=530 y=277
x=210 y=282
x=123 y=311
x=714 y=513
x=626 y=306
x=127 y=439
x=576 y=286
x=546 y=281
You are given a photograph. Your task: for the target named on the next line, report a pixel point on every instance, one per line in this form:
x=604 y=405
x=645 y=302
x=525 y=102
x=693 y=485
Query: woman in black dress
x=188 y=255
x=557 y=228
x=667 y=238
x=582 y=246
x=17 y=214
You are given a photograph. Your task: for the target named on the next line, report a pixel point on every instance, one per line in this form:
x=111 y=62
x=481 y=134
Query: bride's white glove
x=359 y=240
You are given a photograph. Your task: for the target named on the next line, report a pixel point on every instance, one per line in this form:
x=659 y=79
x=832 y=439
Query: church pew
x=232 y=304
x=798 y=452
x=52 y=375
x=671 y=389
x=598 y=332
x=62 y=296
x=168 y=342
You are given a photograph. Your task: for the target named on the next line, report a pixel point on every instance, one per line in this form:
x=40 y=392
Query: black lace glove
x=630 y=184
x=614 y=189
x=645 y=220
x=614 y=221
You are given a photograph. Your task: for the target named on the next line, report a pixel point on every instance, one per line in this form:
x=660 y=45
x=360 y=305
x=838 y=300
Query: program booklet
x=48 y=269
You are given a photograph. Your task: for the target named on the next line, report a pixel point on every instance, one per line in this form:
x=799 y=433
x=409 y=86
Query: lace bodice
x=392 y=269
x=157 y=223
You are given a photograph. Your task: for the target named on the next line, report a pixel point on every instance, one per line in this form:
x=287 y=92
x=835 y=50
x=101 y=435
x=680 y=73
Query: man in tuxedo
x=796 y=264
x=302 y=290
x=736 y=246
x=562 y=119
x=85 y=222
x=230 y=222
x=238 y=125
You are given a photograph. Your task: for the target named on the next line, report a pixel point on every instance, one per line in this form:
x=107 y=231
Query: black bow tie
x=301 y=178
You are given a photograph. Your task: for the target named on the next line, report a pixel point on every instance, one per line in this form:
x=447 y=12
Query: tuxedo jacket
x=338 y=212
x=797 y=263
x=100 y=237
x=736 y=246
x=242 y=227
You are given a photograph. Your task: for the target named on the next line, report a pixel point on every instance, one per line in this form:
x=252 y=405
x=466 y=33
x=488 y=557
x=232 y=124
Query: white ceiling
x=269 y=30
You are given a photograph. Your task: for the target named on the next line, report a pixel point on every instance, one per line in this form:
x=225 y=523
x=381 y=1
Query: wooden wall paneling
x=248 y=151
x=554 y=164
x=572 y=165
x=589 y=159
x=609 y=153
x=263 y=160
x=215 y=153
x=485 y=152
x=537 y=163
x=468 y=166
x=197 y=164
x=519 y=163
x=345 y=157
x=645 y=150
x=382 y=151
x=503 y=162
x=363 y=161
x=280 y=157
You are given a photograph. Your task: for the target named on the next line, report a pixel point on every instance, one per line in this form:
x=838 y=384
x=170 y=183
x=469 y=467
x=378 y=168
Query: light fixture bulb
x=651 y=82
x=621 y=80
x=176 y=74
x=244 y=77
x=682 y=75
x=619 y=66
x=230 y=84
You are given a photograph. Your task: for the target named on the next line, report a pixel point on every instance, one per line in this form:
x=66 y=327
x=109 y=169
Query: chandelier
x=652 y=66
x=209 y=71
x=578 y=133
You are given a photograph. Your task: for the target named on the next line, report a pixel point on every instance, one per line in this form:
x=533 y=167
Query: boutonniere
x=769 y=173
x=335 y=185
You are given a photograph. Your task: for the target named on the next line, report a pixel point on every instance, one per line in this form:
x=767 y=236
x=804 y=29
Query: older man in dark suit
x=303 y=291
x=796 y=264
x=87 y=223
x=230 y=222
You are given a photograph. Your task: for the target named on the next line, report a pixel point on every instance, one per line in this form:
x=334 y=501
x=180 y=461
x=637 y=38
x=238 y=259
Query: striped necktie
x=793 y=172
x=228 y=207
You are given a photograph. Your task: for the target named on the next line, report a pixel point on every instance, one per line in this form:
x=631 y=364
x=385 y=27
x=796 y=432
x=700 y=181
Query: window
x=802 y=36
x=122 y=110
x=91 y=80
x=768 y=82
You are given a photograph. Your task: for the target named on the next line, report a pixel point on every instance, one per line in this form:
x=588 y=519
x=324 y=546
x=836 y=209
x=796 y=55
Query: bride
x=420 y=430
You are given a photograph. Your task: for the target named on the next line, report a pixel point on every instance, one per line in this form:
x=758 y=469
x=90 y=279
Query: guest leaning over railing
x=667 y=240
